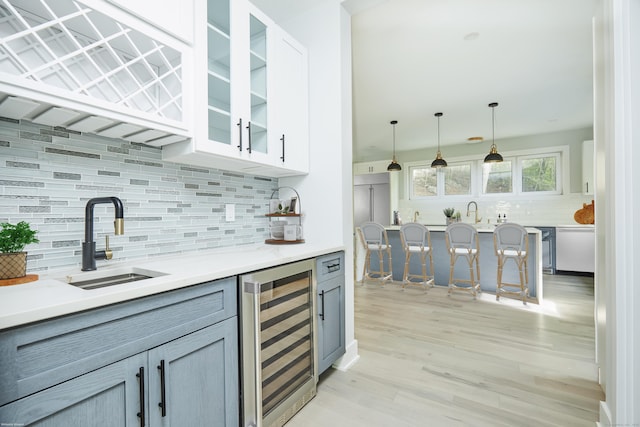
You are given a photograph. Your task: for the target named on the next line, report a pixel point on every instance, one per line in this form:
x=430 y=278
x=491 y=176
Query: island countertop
x=52 y=296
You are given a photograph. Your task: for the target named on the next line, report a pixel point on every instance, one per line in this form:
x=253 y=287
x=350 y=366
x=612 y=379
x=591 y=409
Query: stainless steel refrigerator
x=371 y=198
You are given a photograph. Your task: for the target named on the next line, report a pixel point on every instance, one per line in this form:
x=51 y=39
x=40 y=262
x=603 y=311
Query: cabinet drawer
x=46 y=353
x=330 y=266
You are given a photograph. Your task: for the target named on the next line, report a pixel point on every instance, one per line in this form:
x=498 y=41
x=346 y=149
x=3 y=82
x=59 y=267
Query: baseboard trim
x=605 y=415
x=349 y=358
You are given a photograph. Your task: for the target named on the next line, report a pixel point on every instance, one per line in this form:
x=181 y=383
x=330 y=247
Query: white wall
x=620 y=137
x=327 y=190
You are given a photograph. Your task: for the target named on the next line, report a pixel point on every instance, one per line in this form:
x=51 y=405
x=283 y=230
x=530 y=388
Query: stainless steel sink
x=101 y=279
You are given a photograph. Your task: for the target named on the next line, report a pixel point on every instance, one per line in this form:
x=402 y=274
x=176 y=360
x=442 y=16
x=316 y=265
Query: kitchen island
x=488 y=260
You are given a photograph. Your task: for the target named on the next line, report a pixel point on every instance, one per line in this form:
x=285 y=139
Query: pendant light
x=493 y=156
x=439 y=162
x=394 y=166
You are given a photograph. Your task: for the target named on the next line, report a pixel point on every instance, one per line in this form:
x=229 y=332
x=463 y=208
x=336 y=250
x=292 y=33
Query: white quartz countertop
x=482 y=228
x=52 y=296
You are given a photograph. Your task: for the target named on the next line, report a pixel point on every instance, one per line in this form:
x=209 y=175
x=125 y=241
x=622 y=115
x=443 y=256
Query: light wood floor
x=431 y=360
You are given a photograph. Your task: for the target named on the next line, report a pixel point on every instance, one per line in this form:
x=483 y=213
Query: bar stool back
x=375 y=239
x=511 y=241
x=416 y=239
x=462 y=241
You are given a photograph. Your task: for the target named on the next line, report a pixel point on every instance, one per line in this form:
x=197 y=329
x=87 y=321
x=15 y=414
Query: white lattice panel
x=65 y=44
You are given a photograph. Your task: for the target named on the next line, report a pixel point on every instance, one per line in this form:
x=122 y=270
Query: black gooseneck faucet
x=89 y=253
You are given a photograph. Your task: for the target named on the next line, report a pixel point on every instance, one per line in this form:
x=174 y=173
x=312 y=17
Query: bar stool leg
x=405 y=275
x=472 y=281
x=381 y=259
x=499 y=284
x=367 y=265
x=452 y=264
x=433 y=274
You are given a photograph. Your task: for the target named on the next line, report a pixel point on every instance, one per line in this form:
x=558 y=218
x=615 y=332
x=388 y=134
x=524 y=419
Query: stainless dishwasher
x=278 y=345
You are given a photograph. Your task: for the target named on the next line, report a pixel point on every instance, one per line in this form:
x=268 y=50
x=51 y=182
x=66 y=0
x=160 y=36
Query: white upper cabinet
x=174 y=17
x=290 y=107
x=90 y=66
x=370 y=167
x=237 y=58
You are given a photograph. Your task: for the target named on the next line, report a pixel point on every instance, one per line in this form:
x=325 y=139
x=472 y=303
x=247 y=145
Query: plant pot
x=13 y=265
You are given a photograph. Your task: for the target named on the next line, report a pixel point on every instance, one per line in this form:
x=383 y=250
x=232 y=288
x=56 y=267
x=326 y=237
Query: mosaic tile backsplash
x=48 y=175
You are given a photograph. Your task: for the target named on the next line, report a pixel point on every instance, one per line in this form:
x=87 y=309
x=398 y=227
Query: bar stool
x=462 y=241
x=416 y=239
x=511 y=241
x=374 y=237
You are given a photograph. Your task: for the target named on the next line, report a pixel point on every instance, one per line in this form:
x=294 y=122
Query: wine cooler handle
x=141 y=414
x=163 y=395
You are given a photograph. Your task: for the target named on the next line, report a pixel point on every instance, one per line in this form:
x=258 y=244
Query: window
x=523 y=173
x=454 y=180
x=423 y=181
x=539 y=174
x=457 y=180
x=497 y=177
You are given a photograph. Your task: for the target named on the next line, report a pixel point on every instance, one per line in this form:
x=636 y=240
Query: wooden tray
x=19 y=280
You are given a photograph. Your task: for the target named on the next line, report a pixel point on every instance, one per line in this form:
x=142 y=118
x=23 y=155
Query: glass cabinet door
x=258 y=58
x=219 y=71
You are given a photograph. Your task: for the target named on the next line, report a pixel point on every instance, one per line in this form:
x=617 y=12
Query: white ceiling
x=413 y=58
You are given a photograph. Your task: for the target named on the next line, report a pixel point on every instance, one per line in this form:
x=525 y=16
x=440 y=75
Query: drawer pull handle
x=141 y=414
x=163 y=395
x=333 y=267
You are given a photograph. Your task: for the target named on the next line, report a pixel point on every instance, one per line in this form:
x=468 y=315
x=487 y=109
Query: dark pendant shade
x=493 y=156
x=394 y=166
x=439 y=162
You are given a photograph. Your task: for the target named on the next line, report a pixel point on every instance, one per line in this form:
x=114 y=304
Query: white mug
x=292 y=232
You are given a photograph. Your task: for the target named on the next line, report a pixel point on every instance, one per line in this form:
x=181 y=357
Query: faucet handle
x=108 y=254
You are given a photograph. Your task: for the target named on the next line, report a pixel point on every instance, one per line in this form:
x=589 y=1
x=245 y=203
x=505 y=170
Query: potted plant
x=13 y=239
x=448 y=212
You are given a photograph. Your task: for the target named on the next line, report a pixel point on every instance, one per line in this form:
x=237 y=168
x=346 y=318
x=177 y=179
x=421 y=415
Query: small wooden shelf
x=291 y=214
x=283 y=242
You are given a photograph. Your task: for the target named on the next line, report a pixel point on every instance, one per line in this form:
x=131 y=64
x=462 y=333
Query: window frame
x=519 y=168
x=516 y=157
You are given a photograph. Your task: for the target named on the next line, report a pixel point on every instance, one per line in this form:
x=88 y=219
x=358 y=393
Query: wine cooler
x=278 y=344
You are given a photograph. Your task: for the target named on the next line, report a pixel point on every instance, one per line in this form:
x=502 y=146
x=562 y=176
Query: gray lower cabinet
x=102 y=398
x=200 y=374
x=330 y=295
x=167 y=360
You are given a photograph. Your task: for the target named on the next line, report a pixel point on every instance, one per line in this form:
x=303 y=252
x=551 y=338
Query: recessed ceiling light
x=474 y=139
x=472 y=36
